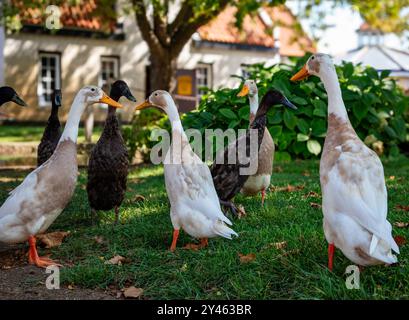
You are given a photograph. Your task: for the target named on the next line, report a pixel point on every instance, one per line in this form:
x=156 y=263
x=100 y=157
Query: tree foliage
x=376 y=107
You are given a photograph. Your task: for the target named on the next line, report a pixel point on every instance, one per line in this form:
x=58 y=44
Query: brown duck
x=260 y=181
x=229 y=178
x=108 y=163
x=52 y=132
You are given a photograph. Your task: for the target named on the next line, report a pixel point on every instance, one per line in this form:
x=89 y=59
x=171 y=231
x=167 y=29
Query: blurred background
x=184 y=46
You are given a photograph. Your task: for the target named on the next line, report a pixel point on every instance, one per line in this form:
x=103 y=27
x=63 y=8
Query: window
x=49 y=77
x=203 y=77
x=109 y=70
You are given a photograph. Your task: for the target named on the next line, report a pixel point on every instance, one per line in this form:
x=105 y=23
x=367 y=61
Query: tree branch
x=144 y=26
x=189 y=27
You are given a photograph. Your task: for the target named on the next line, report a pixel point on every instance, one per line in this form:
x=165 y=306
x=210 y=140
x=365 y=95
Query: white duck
x=193 y=199
x=34 y=205
x=260 y=181
x=354 y=196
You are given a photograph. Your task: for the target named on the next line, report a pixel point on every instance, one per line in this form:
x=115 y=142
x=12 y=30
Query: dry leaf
x=247 y=258
x=53 y=239
x=241 y=212
x=315 y=205
x=99 y=239
x=138 y=197
x=117 y=260
x=311 y=194
x=70 y=287
x=400 y=240
x=288 y=188
x=401 y=207
x=279 y=245
x=392 y=178
x=401 y=224
x=133 y=292
x=306 y=173
x=278 y=169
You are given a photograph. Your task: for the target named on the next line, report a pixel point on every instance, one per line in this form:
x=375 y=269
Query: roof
x=257 y=30
x=379 y=57
x=82 y=16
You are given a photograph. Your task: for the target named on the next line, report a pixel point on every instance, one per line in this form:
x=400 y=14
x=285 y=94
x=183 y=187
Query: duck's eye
x=312 y=58
x=92 y=89
x=156 y=94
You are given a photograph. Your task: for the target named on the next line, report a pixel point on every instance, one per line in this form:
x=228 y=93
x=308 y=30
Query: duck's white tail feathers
x=382 y=251
x=221 y=229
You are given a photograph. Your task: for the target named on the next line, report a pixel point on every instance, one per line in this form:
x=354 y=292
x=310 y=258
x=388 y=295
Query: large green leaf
x=303 y=125
x=360 y=110
x=275 y=131
x=228 y=114
x=319 y=127
x=290 y=119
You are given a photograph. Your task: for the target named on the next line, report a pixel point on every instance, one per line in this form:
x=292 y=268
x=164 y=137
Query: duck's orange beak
x=144 y=105
x=300 y=75
x=109 y=101
x=244 y=91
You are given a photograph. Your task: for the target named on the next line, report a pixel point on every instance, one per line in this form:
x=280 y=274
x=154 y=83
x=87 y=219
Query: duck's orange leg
x=33 y=257
x=175 y=240
x=263 y=196
x=331 y=250
x=204 y=242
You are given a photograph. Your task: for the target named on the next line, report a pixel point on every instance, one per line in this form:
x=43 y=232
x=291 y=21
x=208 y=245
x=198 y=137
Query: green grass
x=31 y=133
x=296 y=272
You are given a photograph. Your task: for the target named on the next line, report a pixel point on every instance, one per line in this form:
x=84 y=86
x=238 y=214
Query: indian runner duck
x=108 y=163
x=8 y=94
x=52 y=131
x=354 y=196
x=227 y=177
x=34 y=205
x=193 y=199
x=260 y=181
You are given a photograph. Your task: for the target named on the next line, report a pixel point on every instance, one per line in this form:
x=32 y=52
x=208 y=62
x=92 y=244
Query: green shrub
x=376 y=106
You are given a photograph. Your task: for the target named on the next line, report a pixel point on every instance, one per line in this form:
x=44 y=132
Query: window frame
x=209 y=79
x=117 y=68
x=40 y=94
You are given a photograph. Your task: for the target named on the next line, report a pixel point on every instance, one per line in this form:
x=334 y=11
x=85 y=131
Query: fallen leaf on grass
x=53 y=239
x=99 y=239
x=133 y=292
x=117 y=260
x=288 y=188
x=311 y=194
x=279 y=245
x=401 y=224
x=306 y=173
x=401 y=207
x=315 y=205
x=247 y=258
x=400 y=240
x=138 y=198
x=278 y=169
x=392 y=178
x=70 y=287
x=241 y=212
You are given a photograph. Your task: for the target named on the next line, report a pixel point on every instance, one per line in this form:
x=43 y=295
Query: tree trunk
x=2 y=45
x=162 y=72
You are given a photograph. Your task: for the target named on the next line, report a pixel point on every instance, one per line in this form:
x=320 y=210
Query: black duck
x=108 y=163
x=226 y=177
x=8 y=94
x=52 y=131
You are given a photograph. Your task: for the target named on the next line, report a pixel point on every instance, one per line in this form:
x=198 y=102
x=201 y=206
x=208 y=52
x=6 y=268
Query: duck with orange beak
x=354 y=195
x=194 y=205
x=34 y=205
x=260 y=181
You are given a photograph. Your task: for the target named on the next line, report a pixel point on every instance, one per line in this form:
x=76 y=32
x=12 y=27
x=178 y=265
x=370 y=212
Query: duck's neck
x=74 y=117
x=336 y=105
x=54 y=112
x=253 y=107
x=174 y=118
x=114 y=96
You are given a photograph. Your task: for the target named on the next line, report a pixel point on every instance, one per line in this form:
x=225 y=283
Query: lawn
x=297 y=271
x=32 y=133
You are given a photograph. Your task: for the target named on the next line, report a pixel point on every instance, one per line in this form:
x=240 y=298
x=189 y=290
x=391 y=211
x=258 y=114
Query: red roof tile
x=82 y=16
x=256 y=32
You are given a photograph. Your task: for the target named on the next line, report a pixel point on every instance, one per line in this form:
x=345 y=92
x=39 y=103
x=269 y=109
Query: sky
x=341 y=36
